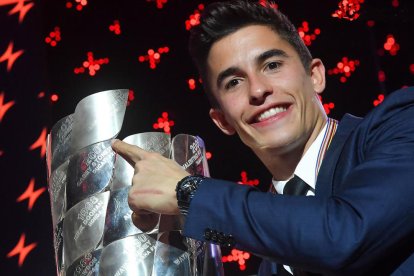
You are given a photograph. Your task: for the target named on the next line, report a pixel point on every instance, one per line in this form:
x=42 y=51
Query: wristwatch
x=185 y=191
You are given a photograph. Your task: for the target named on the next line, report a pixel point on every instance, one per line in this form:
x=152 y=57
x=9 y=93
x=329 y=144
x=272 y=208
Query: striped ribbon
x=327 y=139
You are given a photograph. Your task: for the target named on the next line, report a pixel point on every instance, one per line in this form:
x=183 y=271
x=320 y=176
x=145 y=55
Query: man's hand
x=154 y=181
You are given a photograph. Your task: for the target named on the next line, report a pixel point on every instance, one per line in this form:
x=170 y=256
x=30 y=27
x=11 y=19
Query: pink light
x=412 y=68
x=272 y=4
x=237 y=256
x=391 y=46
x=153 y=57
x=305 y=35
x=348 y=9
x=327 y=106
x=345 y=67
x=54 y=97
x=115 y=27
x=131 y=96
x=191 y=84
x=379 y=100
x=381 y=76
x=159 y=3
x=92 y=64
x=395 y=3
x=164 y=123
x=245 y=181
x=208 y=155
x=194 y=19
x=371 y=23
x=78 y=4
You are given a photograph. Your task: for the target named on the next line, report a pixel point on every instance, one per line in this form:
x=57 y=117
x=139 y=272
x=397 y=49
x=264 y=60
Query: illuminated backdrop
x=54 y=53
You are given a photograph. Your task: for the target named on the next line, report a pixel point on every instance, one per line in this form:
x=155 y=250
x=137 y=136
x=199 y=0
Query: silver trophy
x=89 y=184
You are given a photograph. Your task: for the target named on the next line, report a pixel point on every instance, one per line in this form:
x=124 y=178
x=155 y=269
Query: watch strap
x=185 y=191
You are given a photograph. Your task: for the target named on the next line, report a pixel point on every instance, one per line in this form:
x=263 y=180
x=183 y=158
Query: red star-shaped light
x=21 y=249
x=4 y=107
x=31 y=194
x=20 y=7
x=10 y=56
x=40 y=143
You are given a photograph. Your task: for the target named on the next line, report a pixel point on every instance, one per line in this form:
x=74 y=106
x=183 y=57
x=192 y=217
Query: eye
x=232 y=83
x=273 y=65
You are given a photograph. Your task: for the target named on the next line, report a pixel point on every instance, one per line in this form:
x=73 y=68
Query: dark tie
x=296 y=186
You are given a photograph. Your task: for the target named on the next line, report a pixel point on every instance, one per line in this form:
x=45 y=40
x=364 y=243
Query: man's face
x=264 y=93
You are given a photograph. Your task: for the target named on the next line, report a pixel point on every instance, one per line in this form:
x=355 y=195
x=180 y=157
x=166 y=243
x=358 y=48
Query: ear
x=218 y=118
x=318 y=75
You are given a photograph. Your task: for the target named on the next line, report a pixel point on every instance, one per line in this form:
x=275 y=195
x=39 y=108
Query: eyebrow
x=271 y=53
x=259 y=59
x=224 y=74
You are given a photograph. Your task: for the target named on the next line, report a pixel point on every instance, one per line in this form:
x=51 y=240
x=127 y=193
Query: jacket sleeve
x=367 y=221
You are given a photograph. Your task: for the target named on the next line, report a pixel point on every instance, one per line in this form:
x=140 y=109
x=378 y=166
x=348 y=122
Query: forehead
x=246 y=43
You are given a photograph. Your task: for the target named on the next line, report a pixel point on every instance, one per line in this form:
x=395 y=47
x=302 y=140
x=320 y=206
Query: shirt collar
x=307 y=165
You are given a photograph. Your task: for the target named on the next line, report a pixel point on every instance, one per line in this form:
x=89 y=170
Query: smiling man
x=266 y=96
x=263 y=85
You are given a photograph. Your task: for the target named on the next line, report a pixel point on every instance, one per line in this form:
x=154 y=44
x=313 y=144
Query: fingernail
x=113 y=141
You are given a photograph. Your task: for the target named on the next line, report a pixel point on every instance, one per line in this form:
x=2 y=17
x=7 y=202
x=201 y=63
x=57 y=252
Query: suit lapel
x=326 y=172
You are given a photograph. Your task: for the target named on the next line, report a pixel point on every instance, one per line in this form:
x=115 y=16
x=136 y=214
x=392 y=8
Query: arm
x=367 y=222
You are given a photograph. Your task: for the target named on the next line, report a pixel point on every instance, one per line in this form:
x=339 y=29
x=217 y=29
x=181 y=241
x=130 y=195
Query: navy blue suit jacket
x=361 y=220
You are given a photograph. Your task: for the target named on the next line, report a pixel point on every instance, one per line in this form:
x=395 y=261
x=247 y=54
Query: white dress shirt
x=306 y=170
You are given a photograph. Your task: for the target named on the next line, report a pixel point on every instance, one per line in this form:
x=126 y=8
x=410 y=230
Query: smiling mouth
x=271 y=113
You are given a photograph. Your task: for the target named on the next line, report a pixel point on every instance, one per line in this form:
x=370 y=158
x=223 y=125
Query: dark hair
x=220 y=19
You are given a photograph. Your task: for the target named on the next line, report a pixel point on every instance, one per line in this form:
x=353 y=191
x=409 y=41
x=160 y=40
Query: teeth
x=271 y=112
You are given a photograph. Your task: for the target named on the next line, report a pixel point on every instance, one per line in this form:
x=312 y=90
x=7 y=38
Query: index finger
x=130 y=153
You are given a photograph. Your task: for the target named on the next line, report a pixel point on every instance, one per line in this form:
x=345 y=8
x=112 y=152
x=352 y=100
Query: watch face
x=185 y=191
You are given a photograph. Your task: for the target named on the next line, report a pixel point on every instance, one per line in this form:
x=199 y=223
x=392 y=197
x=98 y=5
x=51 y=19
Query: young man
x=263 y=84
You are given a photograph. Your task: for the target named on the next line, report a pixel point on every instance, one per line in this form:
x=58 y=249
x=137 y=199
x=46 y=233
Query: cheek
x=233 y=107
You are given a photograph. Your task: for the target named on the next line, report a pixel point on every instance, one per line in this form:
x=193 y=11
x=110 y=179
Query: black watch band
x=185 y=191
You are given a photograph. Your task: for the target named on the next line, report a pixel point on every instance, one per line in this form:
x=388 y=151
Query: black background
x=144 y=26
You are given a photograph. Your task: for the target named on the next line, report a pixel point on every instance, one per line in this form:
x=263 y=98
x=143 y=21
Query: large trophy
x=88 y=186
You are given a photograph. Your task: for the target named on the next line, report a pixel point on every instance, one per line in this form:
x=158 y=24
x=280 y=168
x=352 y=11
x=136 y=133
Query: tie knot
x=296 y=186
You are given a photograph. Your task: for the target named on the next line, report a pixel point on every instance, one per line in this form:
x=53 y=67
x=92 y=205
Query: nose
x=260 y=89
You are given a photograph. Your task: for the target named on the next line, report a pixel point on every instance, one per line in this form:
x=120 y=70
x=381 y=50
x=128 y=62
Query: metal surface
x=83 y=227
x=98 y=117
x=88 y=185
